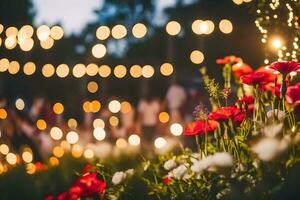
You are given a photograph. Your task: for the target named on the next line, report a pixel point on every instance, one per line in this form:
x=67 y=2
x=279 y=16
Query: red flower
x=240 y=69
x=255 y=78
x=86 y=186
x=228 y=60
x=246 y=100
x=167 y=180
x=201 y=127
x=293 y=94
x=87 y=168
x=285 y=67
x=40 y=166
x=226 y=113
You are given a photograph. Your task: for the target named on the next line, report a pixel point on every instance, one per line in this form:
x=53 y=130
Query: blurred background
x=85 y=79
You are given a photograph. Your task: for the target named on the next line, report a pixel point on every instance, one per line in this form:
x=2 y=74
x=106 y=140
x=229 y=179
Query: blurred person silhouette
x=148 y=110
x=176 y=97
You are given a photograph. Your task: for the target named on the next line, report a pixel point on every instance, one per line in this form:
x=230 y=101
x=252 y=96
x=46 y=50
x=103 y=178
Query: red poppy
x=40 y=166
x=293 y=94
x=255 y=78
x=167 y=180
x=269 y=73
x=86 y=186
x=240 y=69
x=228 y=60
x=87 y=168
x=226 y=113
x=246 y=100
x=201 y=127
x=285 y=67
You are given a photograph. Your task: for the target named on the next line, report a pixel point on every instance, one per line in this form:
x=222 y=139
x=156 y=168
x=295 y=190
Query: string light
x=139 y=30
x=176 y=129
x=103 y=32
x=99 y=51
x=173 y=28
x=160 y=142
x=197 y=57
x=134 y=140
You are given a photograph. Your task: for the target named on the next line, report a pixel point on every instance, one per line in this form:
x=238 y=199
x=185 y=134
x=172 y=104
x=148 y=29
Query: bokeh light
x=119 y=31
x=3 y=113
x=72 y=123
x=173 y=28
x=20 y=104
x=41 y=124
x=121 y=143
x=99 y=51
x=58 y=108
x=139 y=30
x=27 y=156
x=197 y=57
x=4 y=149
x=47 y=44
x=11 y=158
x=62 y=70
x=134 y=140
x=136 y=71
x=225 y=26
x=56 y=133
x=77 y=151
x=176 y=129
x=92 y=87
x=114 y=106
x=48 y=70
x=58 y=151
x=166 y=69
x=104 y=71
x=56 y=32
x=125 y=107
x=13 y=67
x=98 y=123
x=113 y=121
x=147 y=71
x=4 y=64
x=99 y=133
x=88 y=153
x=103 y=32
x=72 y=137
x=29 y=68
x=160 y=142
x=163 y=117
x=120 y=71
x=92 y=69
x=79 y=70
x=43 y=32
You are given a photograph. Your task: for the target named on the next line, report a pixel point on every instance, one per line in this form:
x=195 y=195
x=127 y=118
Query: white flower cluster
x=186 y=171
x=269 y=148
x=120 y=176
x=213 y=162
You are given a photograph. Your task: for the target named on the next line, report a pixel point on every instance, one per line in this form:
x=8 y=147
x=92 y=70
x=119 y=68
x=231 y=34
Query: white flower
x=179 y=172
x=266 y=149
x=170 y=164
x=118 y=178
x=197 y=167
x=272 y=130
x=222 y=159
x=195 y=157
x=207 y=162
x=279 y=113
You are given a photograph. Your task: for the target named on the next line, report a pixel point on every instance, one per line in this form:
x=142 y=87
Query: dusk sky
x=73 y=15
